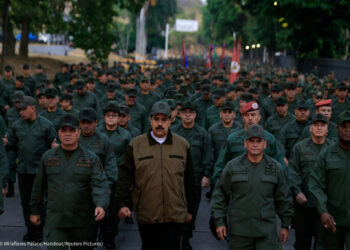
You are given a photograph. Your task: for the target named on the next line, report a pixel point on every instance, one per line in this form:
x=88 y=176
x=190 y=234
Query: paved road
x=12 y=229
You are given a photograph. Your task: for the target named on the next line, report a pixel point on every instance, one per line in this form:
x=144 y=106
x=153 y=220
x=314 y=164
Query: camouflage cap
x=27 y=101
x=344 y=117
x=88 y=114
x=301 y=104
x=111 y=107
x=51 y=92
x=291 y=85
x=282 y=100
x=124 y=110
x=79 y=84
x=20 y=78
x=255 y=130
x=319 y=118
x=228 y=105
x=131 y=92
x=188 y=105
x=218 y=93
x=160 y=107
x=18 y=96
x=171 y=103
x=66 y=96
x=68 y=120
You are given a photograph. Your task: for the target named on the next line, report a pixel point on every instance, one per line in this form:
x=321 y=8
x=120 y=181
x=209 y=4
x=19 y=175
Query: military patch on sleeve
x=98 y=144
x=270 y=169
x=52 y=161
x=83 y=163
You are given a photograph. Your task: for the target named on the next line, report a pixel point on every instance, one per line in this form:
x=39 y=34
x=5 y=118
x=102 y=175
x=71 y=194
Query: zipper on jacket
x=161 y=172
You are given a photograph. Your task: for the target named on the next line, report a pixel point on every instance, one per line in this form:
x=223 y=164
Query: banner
x=235 y=61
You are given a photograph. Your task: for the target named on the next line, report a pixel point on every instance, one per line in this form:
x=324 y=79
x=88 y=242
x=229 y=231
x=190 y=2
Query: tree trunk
x=141 y=36
x=23 y=48
x=10 y=43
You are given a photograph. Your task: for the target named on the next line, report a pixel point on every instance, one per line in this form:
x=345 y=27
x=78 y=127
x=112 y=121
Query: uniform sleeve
x=3 y=128
x=190 y=184
x=39 y=187
x=282 y=138
x=12 y=140
x=220 y=198
x=51 y=134
x=4 y=163
x=110 y=166
x=207 y=155
x=224 y=157
x=283 y=199
x=317 y=184
x=294 y=174
x=274 y=152
x=121 y=194
x=99 y=185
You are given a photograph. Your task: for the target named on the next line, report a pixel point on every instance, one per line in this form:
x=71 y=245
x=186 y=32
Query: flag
x=209 y=59
x=235 y=61
x=222 y=57
x=185 y=60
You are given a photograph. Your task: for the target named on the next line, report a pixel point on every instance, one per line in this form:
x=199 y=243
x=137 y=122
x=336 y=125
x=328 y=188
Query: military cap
x=8 y=68
x=301 y=104
x=247 y=97
x=90 y=80
x=281 y=100
x=250 y=106
x=27 y=101
x=276 y=88
x=220 y=77
x=144 y=79
x=291 y=85
x=20 y=78
x=25 y=66
x=205 y=89
x=319 y=118
x=341 y=86
x=230 y=88
x=179 y=98
x=188 y=105
x=161 y=107
x=69 y=88
x=228 y=105
x=255 y=130
x=51 y=92
x=131 y=92
x=111 y=86
x=183 y=87
x=197 y=86
x=41 y=92
x=254 y=91
x=327 y=102
x=171 y=103
x=18 y=96
x=39 y=66
x=66 y=96
x=344 y=117
x=88 y=114
x=124 y=110
x=79 y=84
x=246 y=84
x=238 y=89
x=68 y=120
x=218 y=93
x=170 y=93
x=111 y=107
x=264 y=84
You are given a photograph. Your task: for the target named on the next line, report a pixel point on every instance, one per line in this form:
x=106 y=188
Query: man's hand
x=205 y=182
x=54 y=143
x=328 y=222
x=300 y=198
x=7 y=107
x=5 y=140
x=284 y=235
x=285 y=161
x=221 y=232
x=3 y=191
x=99 y=213
x=124 y=212
x=189 y=218
x=35 y=219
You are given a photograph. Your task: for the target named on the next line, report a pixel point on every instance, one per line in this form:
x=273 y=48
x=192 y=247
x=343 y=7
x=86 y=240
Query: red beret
x=327 y=102
x=250 y=106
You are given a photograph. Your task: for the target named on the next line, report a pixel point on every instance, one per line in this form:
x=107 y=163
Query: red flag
x=222 y=57
x=209 y=64
x=235 y=61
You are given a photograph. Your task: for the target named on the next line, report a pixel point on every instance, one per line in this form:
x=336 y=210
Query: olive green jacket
x=30 y=141
x=75 y=187
x=275 y=123
x=252 y=195
x=300 y=166
x=100 y=144
x=4 y=168
x=329 y=184
x=89 y=100
x=332 y=132
x=160 y=177
x=53 y=117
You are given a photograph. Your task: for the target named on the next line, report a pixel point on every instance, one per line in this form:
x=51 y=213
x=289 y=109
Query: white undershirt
x=159 y=140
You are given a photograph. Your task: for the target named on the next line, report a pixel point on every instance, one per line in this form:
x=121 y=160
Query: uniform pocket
x=239 y=184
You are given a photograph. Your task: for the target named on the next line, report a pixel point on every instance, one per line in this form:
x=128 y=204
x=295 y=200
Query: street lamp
x=247 y=47
x=253 y=46
x=275 y=3
x=258 y=45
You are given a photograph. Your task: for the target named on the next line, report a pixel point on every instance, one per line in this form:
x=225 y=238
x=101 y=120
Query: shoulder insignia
x=270 y=169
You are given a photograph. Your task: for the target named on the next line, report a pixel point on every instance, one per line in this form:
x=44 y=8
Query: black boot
x=186 y=244
x=37 y=234
x=109 y=242
x=29 y=235
x=10 y=189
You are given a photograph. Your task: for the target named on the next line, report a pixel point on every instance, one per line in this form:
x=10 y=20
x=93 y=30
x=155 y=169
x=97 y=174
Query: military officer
x=328 y=184
x=256 y=188
x=77 y=190
x=66 y=104
x=212 y=114
x=53 y=112
x=340 y=101
x=202 y=157
x=234 y=145
x=203 y=103
x=29 y=137
x=175 y=121
x=268 y=106
x=62 y=76
x=137 y=112
x=146 y=97
x=305 y=153
x=123 y=121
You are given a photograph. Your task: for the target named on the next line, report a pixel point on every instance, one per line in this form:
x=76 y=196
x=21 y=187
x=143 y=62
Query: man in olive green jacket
x=253 y=187
x=329 y=187
x=76 y=186
x=158 y=170
x=306 y=221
